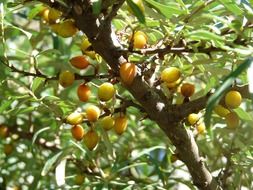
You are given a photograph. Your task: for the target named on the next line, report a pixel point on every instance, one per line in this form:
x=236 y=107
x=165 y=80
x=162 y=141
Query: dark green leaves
x=137 y=11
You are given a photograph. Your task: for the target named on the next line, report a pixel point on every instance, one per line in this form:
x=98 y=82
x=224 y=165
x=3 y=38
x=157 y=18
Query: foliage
x=208 y=41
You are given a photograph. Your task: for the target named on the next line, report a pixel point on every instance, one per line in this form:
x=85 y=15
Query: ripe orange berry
x=3 y=131
x=66 y=78
x=171 y=74
x=232 y=120
x=77 y=132
x=139 y=40
x=187 y=89
x=79 y=62
x=221 y=111
x=91 y=139
x=120 y=124
x=201 y=128
x=92 y=113
x=107 y=122
x=83 y=92
x=74 y=118
x=8 y=149
x=233 y=99
x=106 y=91
x=128 y=72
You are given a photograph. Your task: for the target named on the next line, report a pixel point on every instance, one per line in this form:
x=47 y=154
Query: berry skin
x=53 y=15
x=232 y=120
x=74 y=118
x=79 y=62
x=201 y=128
x=187 y=89
x=171 y=74
x=107 y=122
x=91 y=139
x=106 y=91
x=65 y=29
x=66 y=78
x=77 y=132
x=44 y=14
x=120 y=124
x=233 y=99
x=221 y=111
x=79 y=179
x=193 y=118
x=128 y=72
x=8 y=149
x=83 y=92
x=139 y=40
x=92 y=113
x=3 y=131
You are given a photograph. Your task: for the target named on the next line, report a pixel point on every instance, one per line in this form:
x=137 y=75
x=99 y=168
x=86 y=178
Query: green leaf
x=146 y=151
x=203 y=35
x=137 y=11
x=5 y=104
x=228 y=81
x=35 y=136
x=96 y=7
x=55 y=159
x=35 y=11
x=243 y=114
x=167 y=10
x=50 y=162
x=232 y=7
x=36 y=83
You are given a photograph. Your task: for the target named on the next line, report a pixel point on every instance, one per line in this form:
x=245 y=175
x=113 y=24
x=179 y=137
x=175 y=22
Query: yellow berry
x=106 y=91
x=79 y=179
x=201 y=128
x=3 y=131
x=66 y=78
x=139 y=40
x=193 y=118
x=74 y=118
x=170 y=74
x=65 y=29
x=8 y=149
x=54 y=15
x=107 y=122
x=92 y=113
x=233 y=99
x=221 y=111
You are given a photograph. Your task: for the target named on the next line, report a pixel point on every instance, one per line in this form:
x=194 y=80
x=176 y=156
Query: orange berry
x=8 y=149
x=92 y=113
x=83 y=92
x=187 y=89
x=79 y=62
x=233 y=99
x=128 y=72
x=232 y=120
x=91 y=139
x=106 y=91
x=120 y=124
x=3 y=131
x=77 y=132
x=66 y=78
x=171 y=74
